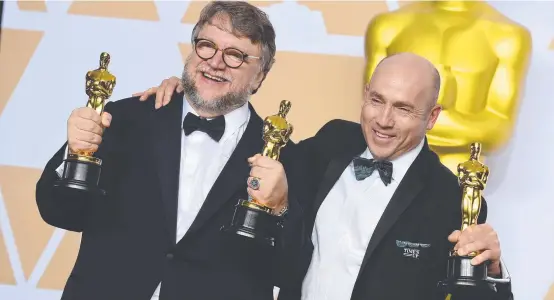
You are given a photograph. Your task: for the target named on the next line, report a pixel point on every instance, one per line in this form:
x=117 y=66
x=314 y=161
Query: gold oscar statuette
x=472 y=177
x=251 y=218
x=82 y=169
x=470 y=43
x=463 y=278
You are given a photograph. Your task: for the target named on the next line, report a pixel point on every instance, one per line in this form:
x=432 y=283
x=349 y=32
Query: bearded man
x=174 y=175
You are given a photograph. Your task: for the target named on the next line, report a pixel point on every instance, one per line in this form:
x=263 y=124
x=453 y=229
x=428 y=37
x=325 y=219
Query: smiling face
x=399 y=106
x=212 y=87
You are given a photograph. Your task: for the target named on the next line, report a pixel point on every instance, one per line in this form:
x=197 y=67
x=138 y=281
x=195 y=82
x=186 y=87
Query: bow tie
x=364 y=167
x=214 y=128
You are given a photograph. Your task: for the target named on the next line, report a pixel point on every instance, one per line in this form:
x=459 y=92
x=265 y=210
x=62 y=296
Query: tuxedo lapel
x=335 y=169
x=408 y=189
x=166 y=143
x=234 y=175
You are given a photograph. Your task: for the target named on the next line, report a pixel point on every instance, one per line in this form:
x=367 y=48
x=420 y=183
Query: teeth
x=218 y=79
x=381 y=135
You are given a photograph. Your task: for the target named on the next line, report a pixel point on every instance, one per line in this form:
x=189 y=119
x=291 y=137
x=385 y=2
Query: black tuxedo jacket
x=129 y=237
x=425 y=209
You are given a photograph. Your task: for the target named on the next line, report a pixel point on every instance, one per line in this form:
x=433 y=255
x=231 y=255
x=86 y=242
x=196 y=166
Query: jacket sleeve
x=65 y=208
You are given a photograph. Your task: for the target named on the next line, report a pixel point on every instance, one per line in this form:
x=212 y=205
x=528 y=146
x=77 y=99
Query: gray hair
x=246 y=21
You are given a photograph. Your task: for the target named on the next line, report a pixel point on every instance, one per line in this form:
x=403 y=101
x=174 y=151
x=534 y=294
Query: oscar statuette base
x=465 y=281
x=81 y=175
x=253 y=222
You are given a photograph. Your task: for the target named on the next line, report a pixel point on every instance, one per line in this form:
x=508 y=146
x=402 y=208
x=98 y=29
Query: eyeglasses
x=232 y=57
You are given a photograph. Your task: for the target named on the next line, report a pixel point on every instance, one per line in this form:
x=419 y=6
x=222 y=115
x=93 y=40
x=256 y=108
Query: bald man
x=384 y=234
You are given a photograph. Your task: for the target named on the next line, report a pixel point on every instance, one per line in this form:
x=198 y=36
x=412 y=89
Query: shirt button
x=169 y=256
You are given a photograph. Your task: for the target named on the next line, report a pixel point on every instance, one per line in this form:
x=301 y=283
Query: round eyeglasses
x=232 y=57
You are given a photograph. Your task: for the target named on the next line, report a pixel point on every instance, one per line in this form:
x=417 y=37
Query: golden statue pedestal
x=251 y=219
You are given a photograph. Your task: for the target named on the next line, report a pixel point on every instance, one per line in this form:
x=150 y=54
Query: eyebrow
x=374 y=94
x=233 y=46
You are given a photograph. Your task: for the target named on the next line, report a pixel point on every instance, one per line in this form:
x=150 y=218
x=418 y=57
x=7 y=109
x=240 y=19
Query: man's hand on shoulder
x=163 y=92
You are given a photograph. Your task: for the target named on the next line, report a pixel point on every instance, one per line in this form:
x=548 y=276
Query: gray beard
x=219 y=106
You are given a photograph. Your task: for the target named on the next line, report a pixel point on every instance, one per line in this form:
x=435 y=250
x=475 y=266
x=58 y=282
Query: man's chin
x=380 y=153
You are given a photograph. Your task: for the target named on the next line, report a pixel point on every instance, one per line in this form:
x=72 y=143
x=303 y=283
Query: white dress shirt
x=202 y=159
x=343 y=227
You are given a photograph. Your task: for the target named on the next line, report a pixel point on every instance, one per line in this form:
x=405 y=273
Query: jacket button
x=169 y=256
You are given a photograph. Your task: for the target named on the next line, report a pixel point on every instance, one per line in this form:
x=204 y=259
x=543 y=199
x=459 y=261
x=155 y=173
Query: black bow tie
x=214 y=128
x=364 y=167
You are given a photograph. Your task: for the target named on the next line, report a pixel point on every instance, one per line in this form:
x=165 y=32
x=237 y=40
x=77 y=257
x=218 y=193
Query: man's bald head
x=408 y=65
x=400 y=105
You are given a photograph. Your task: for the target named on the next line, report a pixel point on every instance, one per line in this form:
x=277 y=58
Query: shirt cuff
x=504 y=270
x=505 y=278
x=60 y=169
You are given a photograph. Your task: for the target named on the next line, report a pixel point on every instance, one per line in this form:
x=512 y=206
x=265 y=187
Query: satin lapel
x=234 y=175
x=166 y=143
x=334 y=170
x=407 y=191
x=332 y=174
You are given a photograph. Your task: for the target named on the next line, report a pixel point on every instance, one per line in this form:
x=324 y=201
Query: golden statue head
x=475 y=150
x=277 y=129
x=100 y=82
x=104 y=60
x=284 y=108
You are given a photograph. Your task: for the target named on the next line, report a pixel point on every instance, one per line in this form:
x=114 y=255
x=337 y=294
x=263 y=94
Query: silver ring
x=254 y=183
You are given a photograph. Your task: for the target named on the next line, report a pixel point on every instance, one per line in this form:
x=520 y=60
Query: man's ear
x=258 y=82
x=435 y=111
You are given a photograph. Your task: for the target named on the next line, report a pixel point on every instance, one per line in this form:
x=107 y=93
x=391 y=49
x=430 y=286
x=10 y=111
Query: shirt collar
x=233 y=120
x=402 y=163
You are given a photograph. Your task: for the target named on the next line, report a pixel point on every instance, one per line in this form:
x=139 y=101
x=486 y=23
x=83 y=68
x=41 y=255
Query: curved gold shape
x=482 y=57
x=99 y=87
x=276 y=134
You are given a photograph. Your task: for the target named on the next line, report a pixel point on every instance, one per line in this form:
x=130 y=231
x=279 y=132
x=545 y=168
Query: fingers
x=260 y=172
x=252 y=159
x=88 y=114
x=263 y=162
x=90 y=126
x=87 y=141
x=481 y=258
x=472 y=247
x=258 y=195
x=159 y=95
x=144 y=95
x=84 y=129
x=106 y=119
x=454 y=236
x=173 y=84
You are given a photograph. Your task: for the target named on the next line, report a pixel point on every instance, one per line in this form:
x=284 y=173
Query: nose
x=385 y=118
x=217 y=62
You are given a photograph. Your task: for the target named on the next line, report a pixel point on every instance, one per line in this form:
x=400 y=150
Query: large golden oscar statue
x=482 y=57
x=251 y=218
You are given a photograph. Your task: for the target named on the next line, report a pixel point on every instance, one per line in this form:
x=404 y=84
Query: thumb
x=106 y=119
x=137 y=94
x=454 y=236
x=180 y=88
